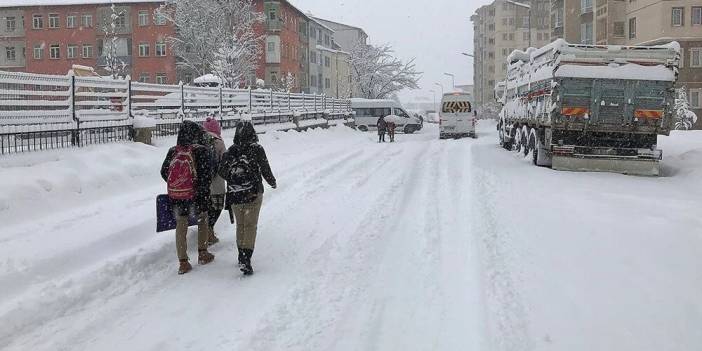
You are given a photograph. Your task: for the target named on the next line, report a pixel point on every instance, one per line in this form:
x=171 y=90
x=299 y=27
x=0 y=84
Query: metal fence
x=41 y=112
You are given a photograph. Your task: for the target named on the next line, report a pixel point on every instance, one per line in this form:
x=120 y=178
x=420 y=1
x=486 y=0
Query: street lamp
x=434 y=93
x=442 y=88
x=453 y=79
x=469 y=55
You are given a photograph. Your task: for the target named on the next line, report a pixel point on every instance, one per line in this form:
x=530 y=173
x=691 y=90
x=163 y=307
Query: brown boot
x=185 y=267
x=213 y=239
x=205 y=257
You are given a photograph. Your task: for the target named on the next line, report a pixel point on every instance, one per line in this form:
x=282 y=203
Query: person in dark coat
x=247 y=210
x=382 y=128
x=189 y=135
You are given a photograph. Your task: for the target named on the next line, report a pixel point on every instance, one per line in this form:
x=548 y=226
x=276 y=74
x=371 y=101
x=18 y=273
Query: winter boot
x=185 y=267
x=245 y=267
x=213 y=238
x=205 y=257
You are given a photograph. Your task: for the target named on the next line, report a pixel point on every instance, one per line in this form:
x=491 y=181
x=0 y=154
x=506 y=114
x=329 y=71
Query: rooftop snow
x=25 y=3
x=628 y=72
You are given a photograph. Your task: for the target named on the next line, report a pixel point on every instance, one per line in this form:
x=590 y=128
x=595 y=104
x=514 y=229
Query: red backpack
x=181 y=174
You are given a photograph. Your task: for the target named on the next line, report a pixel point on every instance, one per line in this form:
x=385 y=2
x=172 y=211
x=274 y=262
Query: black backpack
x=242 y=176
x=208 y=141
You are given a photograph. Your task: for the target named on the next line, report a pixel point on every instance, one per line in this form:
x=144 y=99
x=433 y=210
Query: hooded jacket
x=246 y=141
x=190 y=133
x=218 y=186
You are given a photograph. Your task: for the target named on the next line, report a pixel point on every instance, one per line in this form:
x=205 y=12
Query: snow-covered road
x=418 y=245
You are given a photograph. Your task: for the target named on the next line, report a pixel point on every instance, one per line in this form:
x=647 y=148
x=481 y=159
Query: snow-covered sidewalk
x=418 y=245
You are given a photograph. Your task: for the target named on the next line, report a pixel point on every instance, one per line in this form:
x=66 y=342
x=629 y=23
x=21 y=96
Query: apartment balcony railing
x=274 y=25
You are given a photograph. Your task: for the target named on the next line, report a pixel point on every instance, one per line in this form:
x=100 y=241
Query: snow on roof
x=337 y=23
x=324 y=48
x=527 y=6
x=26 y=3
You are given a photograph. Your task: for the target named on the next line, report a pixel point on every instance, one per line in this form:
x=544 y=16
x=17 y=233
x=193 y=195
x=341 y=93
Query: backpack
x=209 y=142
x=181 y=174
x=242 y=176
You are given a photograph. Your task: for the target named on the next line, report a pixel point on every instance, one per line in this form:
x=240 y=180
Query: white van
x=367 y=112
x=457 y=118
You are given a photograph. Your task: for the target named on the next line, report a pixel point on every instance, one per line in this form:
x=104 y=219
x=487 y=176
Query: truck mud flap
x=630 y=166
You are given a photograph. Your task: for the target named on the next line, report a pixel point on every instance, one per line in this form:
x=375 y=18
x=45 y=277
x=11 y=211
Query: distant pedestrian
x=391 y=131
x=213 y=140
x=187 y=170
x=382 y=128
x=244 y=166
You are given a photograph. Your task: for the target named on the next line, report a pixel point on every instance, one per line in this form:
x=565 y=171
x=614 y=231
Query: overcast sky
x=434 y=32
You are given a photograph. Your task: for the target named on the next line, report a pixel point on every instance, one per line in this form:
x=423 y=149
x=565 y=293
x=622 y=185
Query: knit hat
x=212 y=125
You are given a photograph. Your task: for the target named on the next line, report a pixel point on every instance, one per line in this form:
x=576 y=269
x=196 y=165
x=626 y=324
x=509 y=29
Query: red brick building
x=49 y=38
x=285 y=43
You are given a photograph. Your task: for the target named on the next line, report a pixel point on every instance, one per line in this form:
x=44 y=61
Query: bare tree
x=377 y=74
x=286 y=83
x=216 y=36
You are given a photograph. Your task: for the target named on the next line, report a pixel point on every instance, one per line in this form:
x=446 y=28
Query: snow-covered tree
x=287 y=83
x=114 y=65
x=377 y=74
x=684 y=118
x=216 y=36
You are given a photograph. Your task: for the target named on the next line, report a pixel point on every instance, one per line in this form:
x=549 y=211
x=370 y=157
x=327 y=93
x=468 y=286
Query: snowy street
x=424 y=244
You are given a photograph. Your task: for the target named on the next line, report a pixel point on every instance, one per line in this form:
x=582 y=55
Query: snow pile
x=141 y=121
x=628 y=71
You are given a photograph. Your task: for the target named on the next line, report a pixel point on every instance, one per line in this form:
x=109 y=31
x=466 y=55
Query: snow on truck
x=589 y=107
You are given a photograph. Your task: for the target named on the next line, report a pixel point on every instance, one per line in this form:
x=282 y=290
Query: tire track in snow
x=507 y=322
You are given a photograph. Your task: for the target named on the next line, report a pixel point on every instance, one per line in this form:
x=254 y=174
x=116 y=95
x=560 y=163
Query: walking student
x=187 y=171
x=214 y=142
x=382 y=126
x=391 y=130
x=244 y=166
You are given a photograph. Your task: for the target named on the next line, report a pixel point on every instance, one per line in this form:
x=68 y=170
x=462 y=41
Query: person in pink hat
x=218 y=188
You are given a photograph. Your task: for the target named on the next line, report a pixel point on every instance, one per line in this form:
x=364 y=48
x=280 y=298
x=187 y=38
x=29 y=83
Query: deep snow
x=418 y=245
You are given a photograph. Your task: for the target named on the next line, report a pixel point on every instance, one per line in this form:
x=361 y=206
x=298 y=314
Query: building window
x=87 y=51
x=327 y=61
x=55 y=52
x=271 y=46
x=313 y=56
x=11 y=54
x=71 y=21
x=11 y=24
x=87 y=20
x=71 y=51
x=632 y=28
x=619 y=31
x=38 y=52
x=143 y=18
x=37 y=22
x=160 y=49
x=511 y=36
x=586 y=33
x=121 y=20
x=53 y=20
x=695 y=57
x=144 y=50
x=313 y=80
x=525 y=36
x=159 y=19
x=161 y=78
x=525 y=22
x=678 y=16
x=327 y=40
x=327 y=83
x=144 y=78
x=695 y=98
x=585 y=6
x=696 y=16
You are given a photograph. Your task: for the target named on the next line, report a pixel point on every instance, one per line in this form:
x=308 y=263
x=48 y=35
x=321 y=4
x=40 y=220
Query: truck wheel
x=518 y=140
x=363 y=128
x=409 y=130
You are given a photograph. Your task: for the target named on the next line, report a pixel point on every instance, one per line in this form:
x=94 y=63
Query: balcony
x=274 y=25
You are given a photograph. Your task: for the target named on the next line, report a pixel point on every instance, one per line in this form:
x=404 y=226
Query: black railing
x=27 y=141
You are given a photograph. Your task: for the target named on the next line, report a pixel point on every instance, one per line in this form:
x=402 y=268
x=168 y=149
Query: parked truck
x=589 y=107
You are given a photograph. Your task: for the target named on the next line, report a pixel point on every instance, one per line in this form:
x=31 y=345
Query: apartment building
x=654 y=22
x=346 y=36
x=50 y=39
x=321 y=52
x=500 y=28
x=283 y=48
x=589 y=21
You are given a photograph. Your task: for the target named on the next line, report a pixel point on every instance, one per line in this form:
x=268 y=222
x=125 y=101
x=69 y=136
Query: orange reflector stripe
x=652 y=114
x=575 y=111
